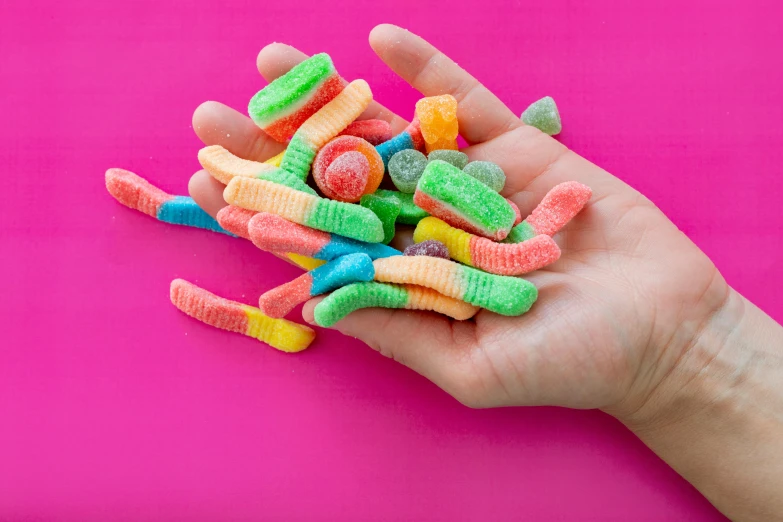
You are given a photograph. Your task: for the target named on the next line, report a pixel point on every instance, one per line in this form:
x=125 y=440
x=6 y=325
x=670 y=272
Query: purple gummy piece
x=430 y=248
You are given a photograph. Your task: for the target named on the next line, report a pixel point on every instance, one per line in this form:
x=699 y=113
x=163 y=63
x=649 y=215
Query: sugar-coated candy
x=405 y=169
x=455 y=157
x=349 y=220
x=346 y=168
x=544 y=116
x=373 y=131
x=275 y=160
x=387 y=208
x=344 y=270
x=463 y=201
x=500 y=294
x=224 y=166
x=558 y=207
x=488 y=173
x=410 y=214
x=410 y=138
x=273 y=233
x=355 y=296
x=324 y=125
x=236 y=220
x=221 y=313
x=429 y=247
x=283 y=105
x=137 y=193
x=480 y=252
x=517 y=212
x=438 y=118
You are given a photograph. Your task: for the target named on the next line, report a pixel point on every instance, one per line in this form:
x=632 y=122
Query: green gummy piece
x=387 y=208
x=283 y=177
x=352 y=297
x=503 y=295
x=405 y=169
x=285 y=91
x=346 y=219
x=454 y=157
x=410 y=213
x=488 y=173
x=298 y=157
x=544 y=116
x=519 y=233
x=466 y=196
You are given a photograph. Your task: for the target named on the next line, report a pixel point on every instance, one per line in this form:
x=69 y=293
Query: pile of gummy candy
x=470 y=242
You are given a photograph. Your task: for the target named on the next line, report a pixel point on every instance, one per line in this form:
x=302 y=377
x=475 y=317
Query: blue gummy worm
x=387 y=149
x=340 y=272
x=182 y=210
x=342 y=246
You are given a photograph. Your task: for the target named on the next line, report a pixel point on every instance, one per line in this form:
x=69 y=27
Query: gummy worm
x=334 y=274
x=221 y=313
x=345 y=219
x=410 y=138
x=324 y=125
x=350 y=298
x=500 y=294
x=137 y=193
x=274 y=233
x=480 y=252
x=558 y=207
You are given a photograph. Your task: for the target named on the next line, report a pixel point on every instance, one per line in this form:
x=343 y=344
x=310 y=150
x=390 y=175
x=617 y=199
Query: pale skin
x=633 y=319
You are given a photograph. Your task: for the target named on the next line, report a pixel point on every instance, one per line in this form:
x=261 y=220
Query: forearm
x=718 y=417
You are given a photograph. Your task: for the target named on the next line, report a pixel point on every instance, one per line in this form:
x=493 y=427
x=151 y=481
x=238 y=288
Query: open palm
x=615 y=313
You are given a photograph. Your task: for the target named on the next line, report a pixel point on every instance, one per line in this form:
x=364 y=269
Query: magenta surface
x=116 y=406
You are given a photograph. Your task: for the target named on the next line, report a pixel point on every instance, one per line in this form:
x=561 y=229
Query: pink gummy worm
x=373 y=131
x=515 y=208
x=559 y=206
x=513 y=258
x=277 y=302
x=235 y=220
x=207 y=307
x=273 y=233
x=135 y=192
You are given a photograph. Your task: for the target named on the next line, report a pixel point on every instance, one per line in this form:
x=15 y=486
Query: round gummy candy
x=544 y=116
x=431 y=248
x=488 y=173
x=405 y=169
x=346 y=177
x=455 y=157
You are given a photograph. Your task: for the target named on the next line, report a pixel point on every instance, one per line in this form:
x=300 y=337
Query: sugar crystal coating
x=373 y=131
x=344 y=270
x=405 y=169
x=500 y=294
x=345 y=219
x=410 y=213
x=229 y=315
x=430 y=247
x=356 y=296
x=455 y=157
x=438 y=118
x=283 y=105
x=273 y=233
x=544 y=116
x=488 y=173
x=387 y=209
x=351 y=177
x=321 y=127
x=495 y=258
x=559 y=206
x=410 y=138
x=462 y=201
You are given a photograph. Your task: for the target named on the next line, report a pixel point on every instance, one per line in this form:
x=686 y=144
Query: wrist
x=716 y=415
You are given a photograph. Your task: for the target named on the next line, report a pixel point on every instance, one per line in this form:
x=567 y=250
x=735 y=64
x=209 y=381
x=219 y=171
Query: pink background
x=115 y=406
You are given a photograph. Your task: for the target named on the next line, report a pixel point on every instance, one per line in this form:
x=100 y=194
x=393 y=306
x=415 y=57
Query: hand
x=614 y=314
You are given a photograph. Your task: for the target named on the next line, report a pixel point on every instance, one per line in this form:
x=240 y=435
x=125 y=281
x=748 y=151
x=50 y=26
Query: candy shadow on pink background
x=114 y=405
